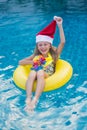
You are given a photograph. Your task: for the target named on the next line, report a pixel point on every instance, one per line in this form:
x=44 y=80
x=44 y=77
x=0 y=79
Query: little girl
x=43 y=60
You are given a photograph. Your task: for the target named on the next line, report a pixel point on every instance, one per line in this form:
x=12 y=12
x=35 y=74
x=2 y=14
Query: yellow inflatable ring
x=61 y=76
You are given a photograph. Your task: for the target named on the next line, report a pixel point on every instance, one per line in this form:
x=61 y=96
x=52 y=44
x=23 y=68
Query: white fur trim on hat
x=40 y=38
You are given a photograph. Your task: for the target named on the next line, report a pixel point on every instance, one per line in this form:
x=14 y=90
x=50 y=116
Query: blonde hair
x=52 y=51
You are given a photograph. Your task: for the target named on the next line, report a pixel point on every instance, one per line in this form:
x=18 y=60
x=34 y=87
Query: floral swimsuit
x=47 y=64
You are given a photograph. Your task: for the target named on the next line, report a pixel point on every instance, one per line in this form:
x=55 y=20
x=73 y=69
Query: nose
x=42 y=46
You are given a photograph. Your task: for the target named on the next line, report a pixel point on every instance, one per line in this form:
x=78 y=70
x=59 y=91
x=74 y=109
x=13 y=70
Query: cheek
x=39 y=48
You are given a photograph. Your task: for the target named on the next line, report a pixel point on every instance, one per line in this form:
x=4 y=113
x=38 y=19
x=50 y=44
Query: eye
x=39 y=45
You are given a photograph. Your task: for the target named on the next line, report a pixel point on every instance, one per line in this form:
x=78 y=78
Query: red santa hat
x=47 y=34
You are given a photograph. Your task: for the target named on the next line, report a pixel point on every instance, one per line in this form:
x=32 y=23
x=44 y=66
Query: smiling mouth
x=43 y=50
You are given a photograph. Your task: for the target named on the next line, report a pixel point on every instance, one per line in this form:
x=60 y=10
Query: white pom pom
x=55 y=17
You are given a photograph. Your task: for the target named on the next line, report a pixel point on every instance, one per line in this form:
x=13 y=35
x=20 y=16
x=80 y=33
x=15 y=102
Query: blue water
x=61 y=109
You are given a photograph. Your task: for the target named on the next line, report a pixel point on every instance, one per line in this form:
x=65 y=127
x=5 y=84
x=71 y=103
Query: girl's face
x=44 y=47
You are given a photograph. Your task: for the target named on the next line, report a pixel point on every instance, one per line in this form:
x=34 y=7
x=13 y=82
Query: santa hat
x=47 y=34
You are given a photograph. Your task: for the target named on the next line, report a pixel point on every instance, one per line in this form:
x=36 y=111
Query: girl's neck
x=45 y=55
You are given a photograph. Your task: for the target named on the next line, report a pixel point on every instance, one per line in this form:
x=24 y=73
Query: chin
x=44 y=53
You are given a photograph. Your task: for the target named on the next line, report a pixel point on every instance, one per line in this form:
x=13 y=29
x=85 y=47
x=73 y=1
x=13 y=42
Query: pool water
x=61 y=109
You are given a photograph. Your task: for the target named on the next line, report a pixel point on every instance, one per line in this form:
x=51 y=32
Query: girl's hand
x=58 y=20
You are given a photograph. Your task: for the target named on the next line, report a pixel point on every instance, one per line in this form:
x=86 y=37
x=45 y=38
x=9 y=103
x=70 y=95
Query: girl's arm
x=26 y=61
x=61 y=33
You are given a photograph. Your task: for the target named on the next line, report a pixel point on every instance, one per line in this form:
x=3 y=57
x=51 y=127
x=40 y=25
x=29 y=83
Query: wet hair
x=52 y=51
